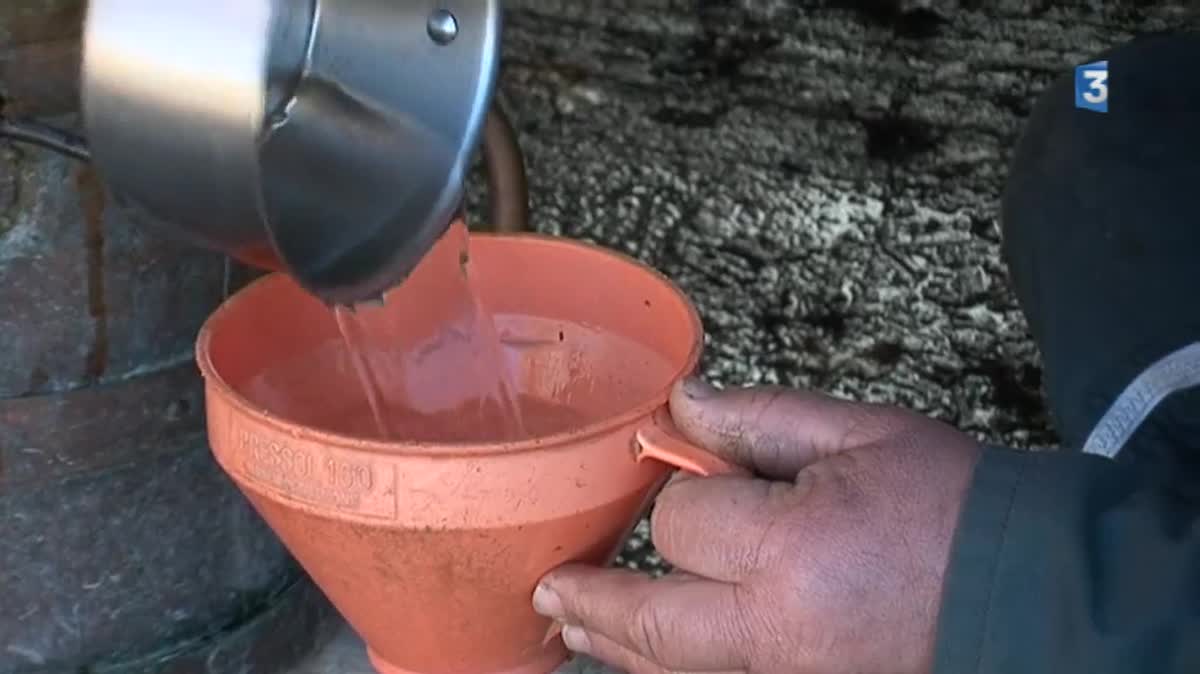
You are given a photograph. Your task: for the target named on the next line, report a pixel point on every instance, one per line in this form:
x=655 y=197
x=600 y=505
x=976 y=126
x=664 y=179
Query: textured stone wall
x=39 y=56
x=822 y=177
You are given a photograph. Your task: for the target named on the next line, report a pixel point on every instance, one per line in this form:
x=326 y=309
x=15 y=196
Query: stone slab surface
x=346 y=654
x=821 y=177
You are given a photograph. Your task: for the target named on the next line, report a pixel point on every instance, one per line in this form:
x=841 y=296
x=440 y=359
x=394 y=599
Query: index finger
x=773 y=430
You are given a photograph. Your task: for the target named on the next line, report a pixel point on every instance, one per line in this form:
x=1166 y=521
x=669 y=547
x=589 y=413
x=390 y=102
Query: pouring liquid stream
x=475 y=387
x=354 y=339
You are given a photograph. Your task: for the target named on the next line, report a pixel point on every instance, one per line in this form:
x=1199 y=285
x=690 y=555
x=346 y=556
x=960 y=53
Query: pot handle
x=662 y=441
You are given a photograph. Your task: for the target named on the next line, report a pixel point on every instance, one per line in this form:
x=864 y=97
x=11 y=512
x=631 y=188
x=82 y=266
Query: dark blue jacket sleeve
x=1065 y=563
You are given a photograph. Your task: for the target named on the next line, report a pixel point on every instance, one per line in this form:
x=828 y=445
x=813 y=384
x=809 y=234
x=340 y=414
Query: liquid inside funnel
x=433 y=365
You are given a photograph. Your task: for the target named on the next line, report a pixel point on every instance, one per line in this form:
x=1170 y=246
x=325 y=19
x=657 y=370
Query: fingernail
x=697 y=389
x=547 y=602
x=576 y=639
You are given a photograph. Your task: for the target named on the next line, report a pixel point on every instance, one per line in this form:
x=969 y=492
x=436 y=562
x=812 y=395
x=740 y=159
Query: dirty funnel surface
x=430 y=543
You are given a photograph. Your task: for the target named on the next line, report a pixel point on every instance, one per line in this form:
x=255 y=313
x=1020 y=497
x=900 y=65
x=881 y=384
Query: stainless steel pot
x=331 y=135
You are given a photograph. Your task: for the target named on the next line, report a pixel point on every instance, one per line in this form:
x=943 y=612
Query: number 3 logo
x=1097 y=92
x=1091 y=86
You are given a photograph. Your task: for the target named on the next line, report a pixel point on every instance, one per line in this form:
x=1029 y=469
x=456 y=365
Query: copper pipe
x=508 y=186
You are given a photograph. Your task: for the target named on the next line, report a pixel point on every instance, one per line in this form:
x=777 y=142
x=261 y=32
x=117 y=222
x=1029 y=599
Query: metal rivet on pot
x=442 y=26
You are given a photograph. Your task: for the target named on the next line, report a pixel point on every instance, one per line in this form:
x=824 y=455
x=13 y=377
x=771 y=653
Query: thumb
x=773 y=430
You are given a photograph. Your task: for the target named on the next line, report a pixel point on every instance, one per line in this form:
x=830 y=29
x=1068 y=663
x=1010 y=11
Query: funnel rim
x=459 y=449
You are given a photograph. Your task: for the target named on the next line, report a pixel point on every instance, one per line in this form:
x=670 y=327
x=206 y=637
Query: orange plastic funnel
x=432 y=549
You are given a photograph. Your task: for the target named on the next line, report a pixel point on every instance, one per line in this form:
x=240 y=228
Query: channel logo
x=1091 y=86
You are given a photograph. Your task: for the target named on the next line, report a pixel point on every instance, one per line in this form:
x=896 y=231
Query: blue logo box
x=1091 y=86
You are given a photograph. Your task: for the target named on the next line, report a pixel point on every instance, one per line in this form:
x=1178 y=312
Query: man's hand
x=832 y=560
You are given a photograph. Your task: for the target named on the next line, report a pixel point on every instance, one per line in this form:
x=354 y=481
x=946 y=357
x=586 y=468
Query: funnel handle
x=661 y=440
